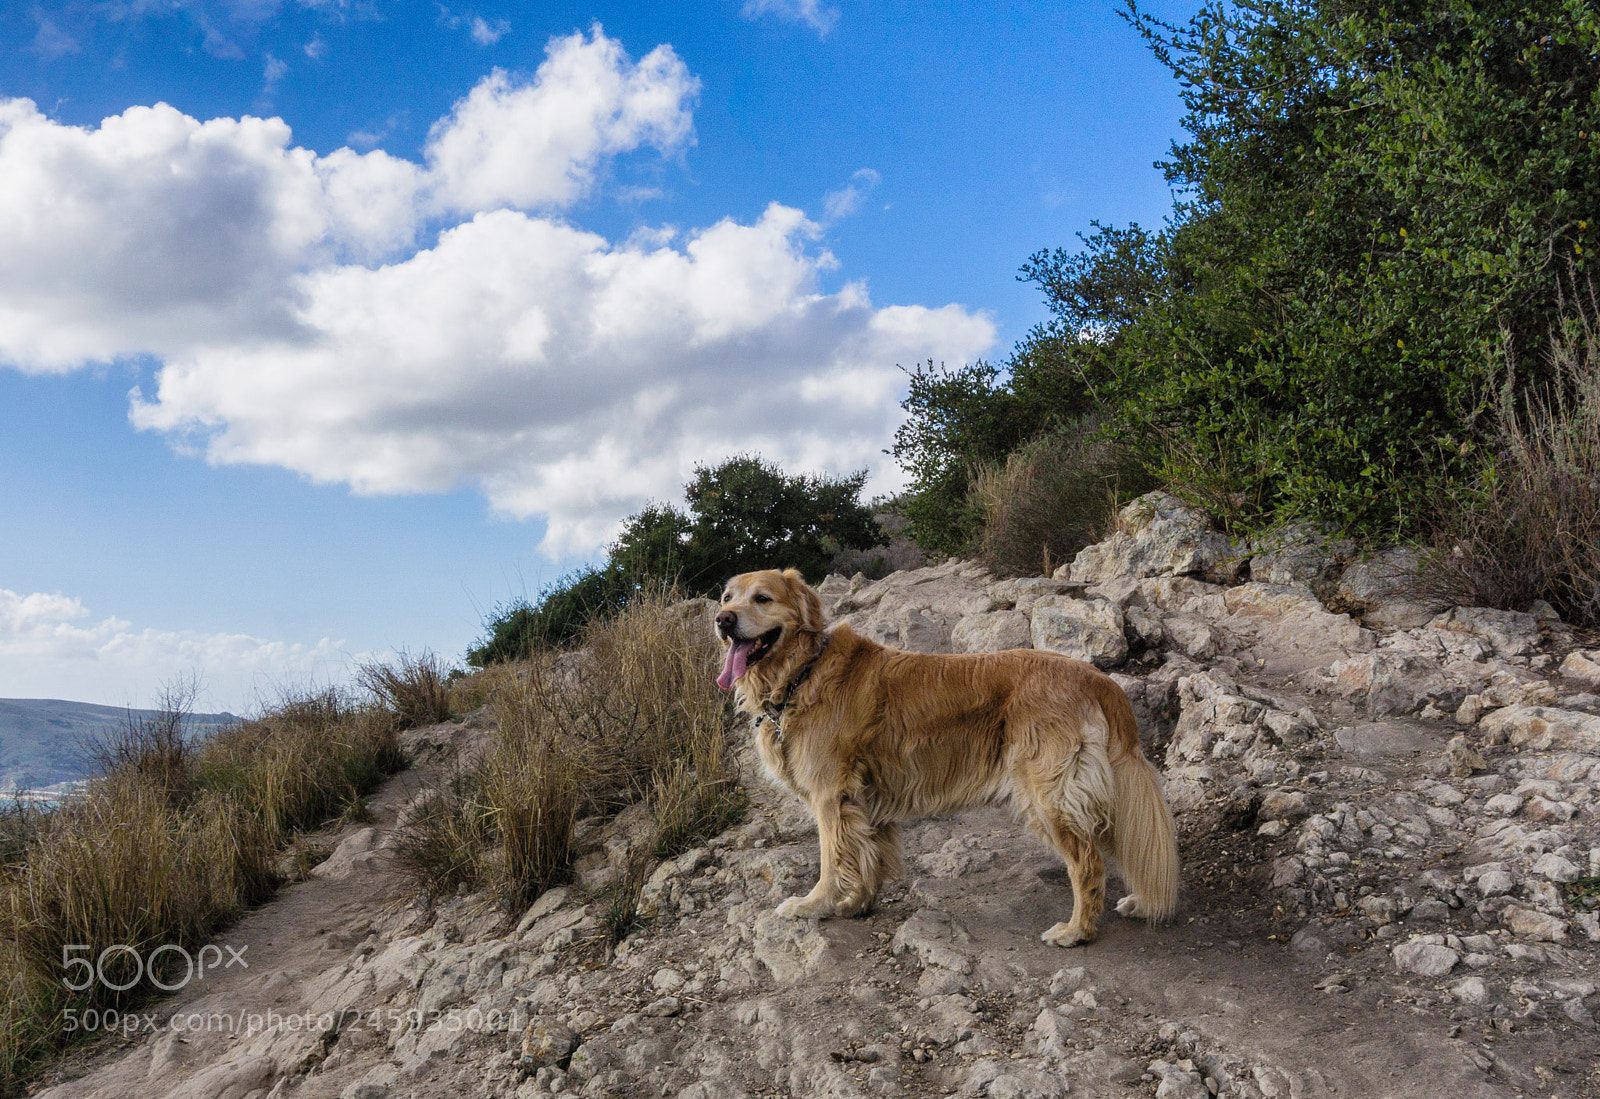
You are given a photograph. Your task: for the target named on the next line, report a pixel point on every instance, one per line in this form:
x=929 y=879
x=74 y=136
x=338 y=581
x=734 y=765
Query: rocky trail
x=1384 y=807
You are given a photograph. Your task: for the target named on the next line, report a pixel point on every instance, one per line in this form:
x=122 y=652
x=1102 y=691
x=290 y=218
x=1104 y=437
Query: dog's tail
x=1144 y=838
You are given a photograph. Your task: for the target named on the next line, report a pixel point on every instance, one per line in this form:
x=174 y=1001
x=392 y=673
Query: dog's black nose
x=726 y=620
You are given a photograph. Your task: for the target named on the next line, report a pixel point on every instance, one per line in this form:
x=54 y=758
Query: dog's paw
x=803 y=908
x=1066 y=935
x=1131 y=907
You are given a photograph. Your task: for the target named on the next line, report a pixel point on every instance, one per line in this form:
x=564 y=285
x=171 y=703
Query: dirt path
x=228 y=1033
x=945 y=989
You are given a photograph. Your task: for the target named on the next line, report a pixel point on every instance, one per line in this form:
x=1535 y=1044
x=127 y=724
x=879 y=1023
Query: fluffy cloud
x=537 y=145
x=51 y=646
x=567 y=376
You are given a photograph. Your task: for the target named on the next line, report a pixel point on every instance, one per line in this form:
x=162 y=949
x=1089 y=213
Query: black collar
x=773 y=712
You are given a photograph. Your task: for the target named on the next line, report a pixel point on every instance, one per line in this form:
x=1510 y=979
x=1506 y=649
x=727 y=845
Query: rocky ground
x=1387 y=815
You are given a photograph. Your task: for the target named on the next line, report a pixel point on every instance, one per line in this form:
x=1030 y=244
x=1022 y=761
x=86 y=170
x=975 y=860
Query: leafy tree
x=1377 y=199
x=1378 y=206
x=747 y=514
x=969 y=418
x=743 y=514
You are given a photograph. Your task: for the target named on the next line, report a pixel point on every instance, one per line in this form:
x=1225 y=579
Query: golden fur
x=872 y=735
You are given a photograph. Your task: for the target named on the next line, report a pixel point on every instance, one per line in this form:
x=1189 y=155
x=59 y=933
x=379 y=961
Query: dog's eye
x=763 y=599
x=727 y=595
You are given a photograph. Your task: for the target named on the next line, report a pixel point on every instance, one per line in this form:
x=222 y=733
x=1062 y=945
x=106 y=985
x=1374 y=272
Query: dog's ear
x=807 y=601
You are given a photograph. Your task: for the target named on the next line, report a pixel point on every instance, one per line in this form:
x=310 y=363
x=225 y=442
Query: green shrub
x=1369 y=197
x=743 y=514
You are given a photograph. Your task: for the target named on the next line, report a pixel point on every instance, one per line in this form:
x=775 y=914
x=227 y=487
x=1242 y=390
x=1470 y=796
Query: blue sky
x=395 y=309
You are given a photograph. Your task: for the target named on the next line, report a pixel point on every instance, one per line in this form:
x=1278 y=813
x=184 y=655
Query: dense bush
x=1372 y=197
x=1374 y=201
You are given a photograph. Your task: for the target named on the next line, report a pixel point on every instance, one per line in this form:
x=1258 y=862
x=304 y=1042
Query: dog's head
x=766 y=622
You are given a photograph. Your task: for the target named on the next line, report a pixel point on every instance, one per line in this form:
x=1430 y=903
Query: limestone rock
x=1543 y=727
x=355 y=854
x=1425 y=959
x=1534 y=926
x=1300 y=553
x=1382 y=587
x=1156 y=535
x=546 y=1042
x=993 y=632
x=1583 y=666
x=1462 y=758
x=1388 y=682
x=791 y=949
x=1510 y=633
x=1179 y=1081
x=918 y=610
x=935 y=938
x=1090 y=630
x=1023 y=591
x=1286 y=629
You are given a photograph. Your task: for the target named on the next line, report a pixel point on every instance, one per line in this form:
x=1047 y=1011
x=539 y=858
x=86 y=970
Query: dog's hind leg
x=1088 y=872
x=1067 y=790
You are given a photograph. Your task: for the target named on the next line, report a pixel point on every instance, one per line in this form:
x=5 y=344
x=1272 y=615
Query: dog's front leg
x=822 y=900
x=853 y=865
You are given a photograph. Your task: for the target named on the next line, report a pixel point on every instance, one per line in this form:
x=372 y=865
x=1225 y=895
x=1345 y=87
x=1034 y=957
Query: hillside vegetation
x=172 y=840
x=1373 y=298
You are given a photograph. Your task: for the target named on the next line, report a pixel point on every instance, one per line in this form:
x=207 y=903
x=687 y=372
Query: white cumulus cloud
x=538 y=144
x=298 y=323
x=51 y=646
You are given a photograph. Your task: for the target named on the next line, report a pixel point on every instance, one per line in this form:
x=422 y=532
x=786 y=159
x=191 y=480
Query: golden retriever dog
x=870 y=736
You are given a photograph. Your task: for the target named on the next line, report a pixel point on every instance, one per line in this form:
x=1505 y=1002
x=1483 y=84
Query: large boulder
x=1509 y=633
x=1383 y=589
x=1156 y=535
x=1543 y=728
x=993 y=632
x=1299 y=553
x=1090 y=630
x=918 y=610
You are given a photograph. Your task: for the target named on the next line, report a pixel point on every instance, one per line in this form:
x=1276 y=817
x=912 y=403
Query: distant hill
x=43 y=740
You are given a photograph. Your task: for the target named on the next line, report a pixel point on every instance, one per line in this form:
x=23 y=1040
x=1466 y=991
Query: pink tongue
x=738 y=661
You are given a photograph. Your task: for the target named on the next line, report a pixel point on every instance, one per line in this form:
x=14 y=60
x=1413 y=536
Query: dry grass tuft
x=1051 y=498
x=413 y=688
x=171 y=843
x=633 y=717
x=1530 y=528
x=442 y=842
